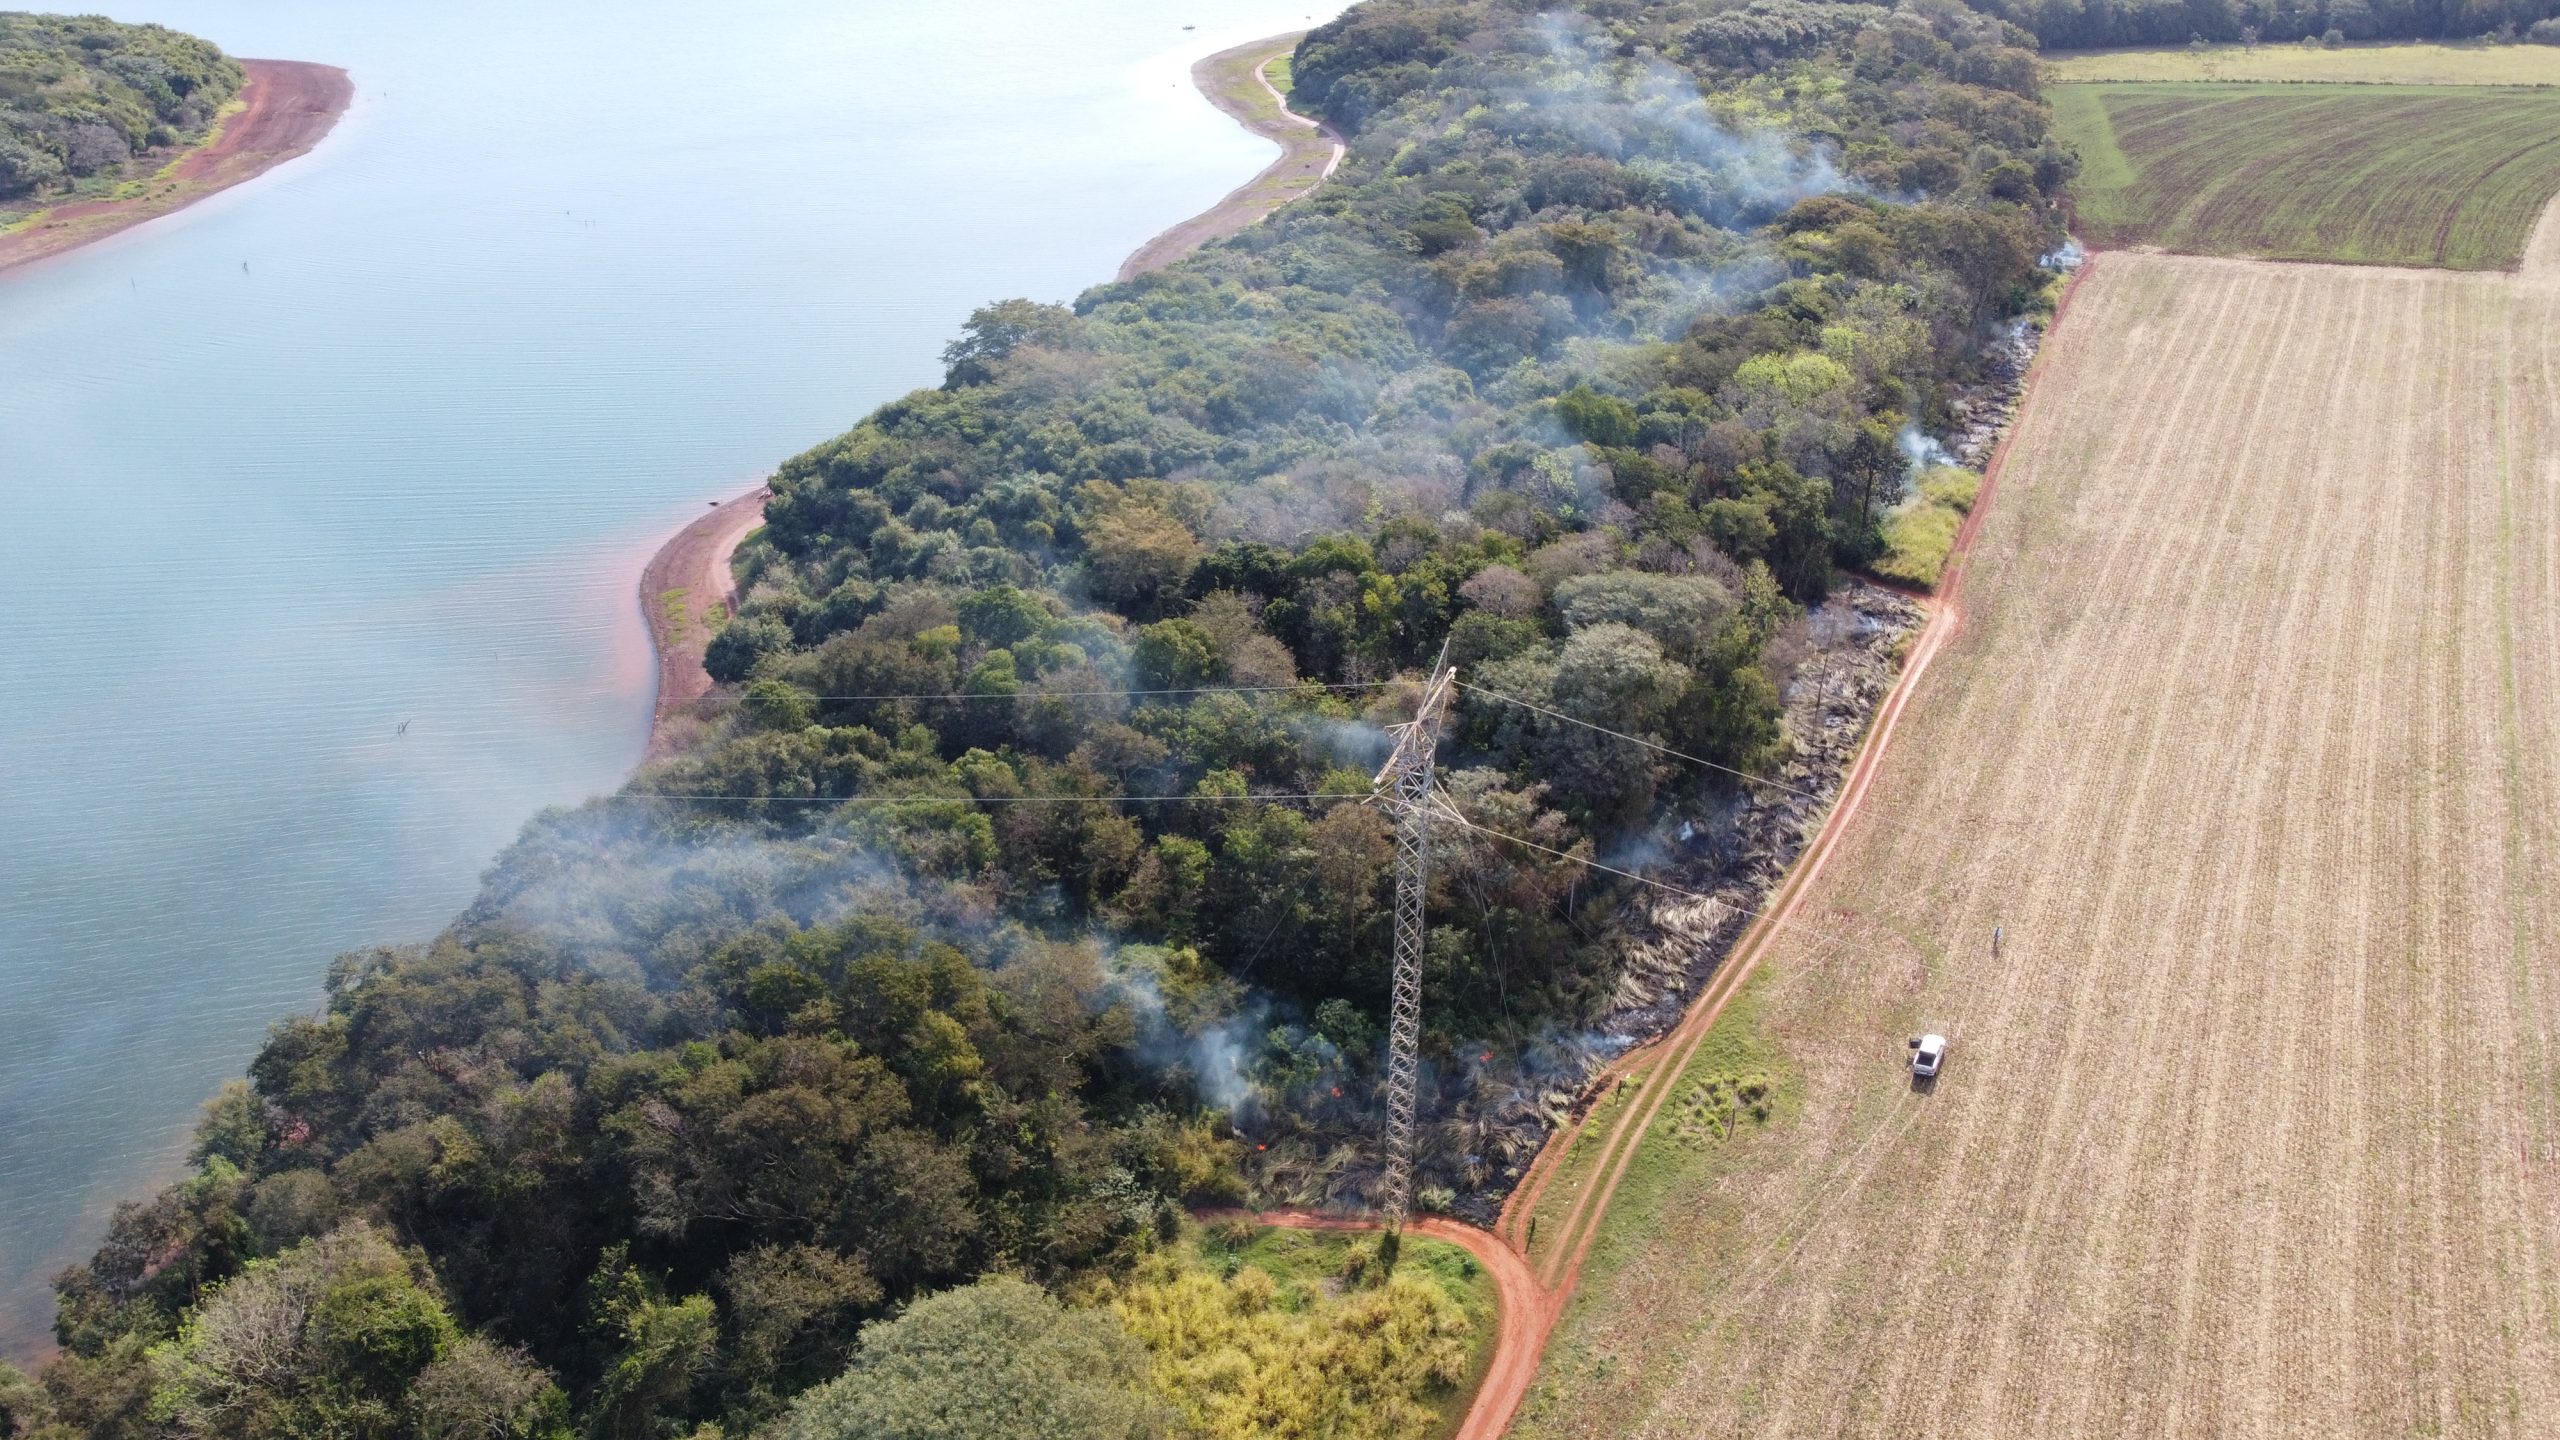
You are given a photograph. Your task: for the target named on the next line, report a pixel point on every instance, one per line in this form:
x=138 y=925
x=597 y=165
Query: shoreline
x=288 y=107
x=1233 y=80
x=694 y=561
x=692 y=564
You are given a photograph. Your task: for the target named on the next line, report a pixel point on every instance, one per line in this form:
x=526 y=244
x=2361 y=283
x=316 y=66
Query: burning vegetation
x=1017 y=891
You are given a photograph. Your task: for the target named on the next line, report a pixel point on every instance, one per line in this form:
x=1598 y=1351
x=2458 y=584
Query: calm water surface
x=384 y=436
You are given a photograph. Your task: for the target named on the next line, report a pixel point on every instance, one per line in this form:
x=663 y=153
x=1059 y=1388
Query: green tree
x=480 y=1392
x=997 y=1360
x=780 y=705
x=1597 y=419
x=26 y=1411
x=995 y=331
x=322 y=1340
x=666 y=1345
x=1176 y=654
x=1135 y=554
x=733 y=653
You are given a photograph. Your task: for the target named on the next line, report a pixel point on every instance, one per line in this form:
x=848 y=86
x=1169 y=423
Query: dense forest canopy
x=81 y=97
x=1017 y=892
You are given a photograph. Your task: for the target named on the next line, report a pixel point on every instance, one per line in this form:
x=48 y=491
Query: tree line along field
x=2389 y=175
x=2251 y=745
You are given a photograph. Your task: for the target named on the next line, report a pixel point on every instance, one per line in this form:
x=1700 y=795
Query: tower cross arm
x=1416 y=738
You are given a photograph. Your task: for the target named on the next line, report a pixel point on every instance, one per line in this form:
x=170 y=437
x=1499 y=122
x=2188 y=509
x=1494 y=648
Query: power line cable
x=737 y=697
x=1585 y=860
x=1639 y=740
x=1729 y=907
x=985 y=799
x=1815 y=796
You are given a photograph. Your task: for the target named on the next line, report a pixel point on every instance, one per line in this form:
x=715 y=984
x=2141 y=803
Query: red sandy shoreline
x=288 y=105
x=689 y=575
x=1309 y=151
x=694 y=563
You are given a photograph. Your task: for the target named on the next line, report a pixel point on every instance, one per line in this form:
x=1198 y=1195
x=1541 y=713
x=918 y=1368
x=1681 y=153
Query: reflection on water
x=382 y=438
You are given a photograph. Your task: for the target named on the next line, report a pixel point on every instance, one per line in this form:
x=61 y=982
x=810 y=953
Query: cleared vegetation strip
x=2251 y=750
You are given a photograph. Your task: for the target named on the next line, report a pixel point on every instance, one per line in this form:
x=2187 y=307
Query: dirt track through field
x=2251 y=744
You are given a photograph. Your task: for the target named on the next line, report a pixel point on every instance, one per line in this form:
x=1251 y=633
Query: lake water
x=384 y=436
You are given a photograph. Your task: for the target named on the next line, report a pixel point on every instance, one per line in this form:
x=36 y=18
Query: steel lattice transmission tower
x=1406 y=789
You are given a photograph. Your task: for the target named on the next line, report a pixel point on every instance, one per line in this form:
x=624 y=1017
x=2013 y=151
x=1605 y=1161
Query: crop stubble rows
x=2252 y=747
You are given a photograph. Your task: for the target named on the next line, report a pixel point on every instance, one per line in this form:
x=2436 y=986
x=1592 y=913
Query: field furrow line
x=2156 y=932
x=2291 y=1375
x=2267 y=684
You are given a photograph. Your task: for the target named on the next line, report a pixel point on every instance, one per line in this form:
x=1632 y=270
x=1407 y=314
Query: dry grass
x=2251 y=742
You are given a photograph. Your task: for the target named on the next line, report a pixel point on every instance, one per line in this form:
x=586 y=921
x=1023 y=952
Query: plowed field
x=2385 y=175
x=2250 y=744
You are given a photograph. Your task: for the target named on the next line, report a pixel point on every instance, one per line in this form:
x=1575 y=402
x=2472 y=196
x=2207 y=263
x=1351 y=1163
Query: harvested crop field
x=2449 y=176
x=2250 y=744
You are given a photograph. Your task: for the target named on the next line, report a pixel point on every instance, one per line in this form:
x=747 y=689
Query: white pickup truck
x=1927 y=1054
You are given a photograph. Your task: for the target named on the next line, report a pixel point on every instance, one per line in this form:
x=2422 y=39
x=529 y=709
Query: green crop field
x=2450 y=176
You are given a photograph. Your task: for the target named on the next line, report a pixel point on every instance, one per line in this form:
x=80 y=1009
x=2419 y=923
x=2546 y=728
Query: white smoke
x=1921 y=450
x=1652 y=117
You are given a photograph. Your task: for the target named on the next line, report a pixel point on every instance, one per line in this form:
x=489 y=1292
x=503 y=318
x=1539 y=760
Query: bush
x=1921 y=535
x=1950 y=485
x=1918 y=539
x=995 y=1360
x=2544 y=32
x=733 y=653
x=1240 y=1358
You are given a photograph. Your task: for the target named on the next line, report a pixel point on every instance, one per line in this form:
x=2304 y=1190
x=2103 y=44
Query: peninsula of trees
x=104 y=126
x=1016 y=894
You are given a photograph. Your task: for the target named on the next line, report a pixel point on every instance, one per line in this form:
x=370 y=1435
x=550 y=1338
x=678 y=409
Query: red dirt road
x=289 y=106
x=688 y=575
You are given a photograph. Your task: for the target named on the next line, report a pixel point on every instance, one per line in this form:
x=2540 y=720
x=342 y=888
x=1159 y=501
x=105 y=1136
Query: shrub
x=995 y=1360
x=1952 y=486
x=733 y=653
x=1918 y=539
x=1237 y=1357
x=1921 y=534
